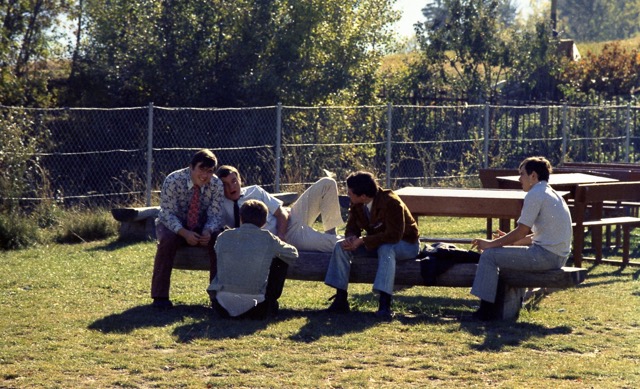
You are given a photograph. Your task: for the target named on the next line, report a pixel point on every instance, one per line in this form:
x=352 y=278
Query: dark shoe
x=274 y=308
x=384 y=314
x=486 y=312
x=162 y=303
x=339 y=305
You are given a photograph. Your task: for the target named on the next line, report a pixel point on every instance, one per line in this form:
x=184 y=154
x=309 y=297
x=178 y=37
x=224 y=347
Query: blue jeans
x=534 y=257
x=340 y=264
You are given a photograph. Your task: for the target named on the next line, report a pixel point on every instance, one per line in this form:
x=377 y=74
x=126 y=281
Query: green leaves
x=233 y=53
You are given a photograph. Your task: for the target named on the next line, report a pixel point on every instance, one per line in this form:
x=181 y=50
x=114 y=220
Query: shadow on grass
x=114 y=245
x=497 y=335
x=146 y=316
x=202 y=323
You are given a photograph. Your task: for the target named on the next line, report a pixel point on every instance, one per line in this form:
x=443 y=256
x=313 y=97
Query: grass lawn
x=79 y=316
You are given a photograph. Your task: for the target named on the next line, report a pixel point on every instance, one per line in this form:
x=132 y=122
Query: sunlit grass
x=78 y=316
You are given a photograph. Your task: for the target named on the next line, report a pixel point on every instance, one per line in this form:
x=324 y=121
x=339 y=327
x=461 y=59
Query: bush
x=86 y=226
x=17 y=232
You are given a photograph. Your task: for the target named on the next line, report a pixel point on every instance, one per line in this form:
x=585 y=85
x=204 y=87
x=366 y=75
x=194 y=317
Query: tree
x=467 y=43
x=28 y=30
x=230 y=53
x=599 y=20
x=615 y=72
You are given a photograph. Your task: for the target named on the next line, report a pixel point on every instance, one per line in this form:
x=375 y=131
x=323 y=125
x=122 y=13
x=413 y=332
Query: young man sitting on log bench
x=190 y=214
x=391 y=234
x=541 y=241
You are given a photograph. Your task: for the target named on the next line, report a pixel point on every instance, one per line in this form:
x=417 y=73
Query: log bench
x=312 y=266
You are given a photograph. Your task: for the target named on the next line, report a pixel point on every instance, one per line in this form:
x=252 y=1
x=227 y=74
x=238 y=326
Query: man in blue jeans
x=541 y=241
x=391 y=233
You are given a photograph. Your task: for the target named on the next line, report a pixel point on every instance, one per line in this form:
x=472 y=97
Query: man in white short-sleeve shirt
x=541 y=241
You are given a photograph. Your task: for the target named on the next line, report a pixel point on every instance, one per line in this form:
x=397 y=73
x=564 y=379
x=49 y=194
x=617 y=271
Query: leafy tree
x=615 y=72
x=599 y=20
x=28 y=29
x=465 y=44
x=230 y=53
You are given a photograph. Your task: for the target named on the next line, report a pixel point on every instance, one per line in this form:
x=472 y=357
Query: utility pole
x=554 y=17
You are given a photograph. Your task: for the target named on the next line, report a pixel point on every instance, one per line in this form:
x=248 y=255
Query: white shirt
x=253 y=192
x=546 y=212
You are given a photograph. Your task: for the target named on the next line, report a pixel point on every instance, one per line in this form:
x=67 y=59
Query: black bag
x=439 y=257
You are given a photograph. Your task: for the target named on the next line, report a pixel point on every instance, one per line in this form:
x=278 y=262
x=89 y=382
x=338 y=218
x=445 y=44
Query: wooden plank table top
x=480 y=203
x=559 y=181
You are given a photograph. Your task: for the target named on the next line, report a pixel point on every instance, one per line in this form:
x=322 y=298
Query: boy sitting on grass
x=248 y=282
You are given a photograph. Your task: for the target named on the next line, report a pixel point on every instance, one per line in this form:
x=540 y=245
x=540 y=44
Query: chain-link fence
x=121 y=156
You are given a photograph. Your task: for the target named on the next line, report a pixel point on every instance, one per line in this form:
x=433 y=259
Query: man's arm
x=515 y=236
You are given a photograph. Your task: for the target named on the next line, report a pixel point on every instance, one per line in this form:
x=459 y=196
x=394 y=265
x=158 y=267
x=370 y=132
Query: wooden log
x=312 y=266
x=134 y=214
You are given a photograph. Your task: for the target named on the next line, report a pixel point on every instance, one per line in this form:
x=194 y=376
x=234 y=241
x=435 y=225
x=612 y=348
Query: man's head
x=361 y=187
x=203 y=165
x=533 y=170
x=253 y=212
x=230 y=177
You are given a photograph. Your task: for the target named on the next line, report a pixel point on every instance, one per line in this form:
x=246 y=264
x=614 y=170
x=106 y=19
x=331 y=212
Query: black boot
x=340 y=303
x=486 y=312
x=384 y=308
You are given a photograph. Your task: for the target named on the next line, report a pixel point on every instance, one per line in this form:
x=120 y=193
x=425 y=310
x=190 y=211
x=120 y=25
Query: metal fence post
x=278 y=145
x=485 y=150
x=149 y=154
x=565 y=137
x=628 y=129
x=389 y=124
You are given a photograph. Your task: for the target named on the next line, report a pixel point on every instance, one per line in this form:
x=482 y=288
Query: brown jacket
x=390 y=221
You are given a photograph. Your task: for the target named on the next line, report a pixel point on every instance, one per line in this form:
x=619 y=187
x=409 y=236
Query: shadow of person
x=147 y=316
x=216 y=327
x=498 y=334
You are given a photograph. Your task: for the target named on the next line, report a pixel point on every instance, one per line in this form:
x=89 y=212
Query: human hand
x=192 y=238
x=480 y=244
x=498 y=233
x=351 y=243
x=204 y=239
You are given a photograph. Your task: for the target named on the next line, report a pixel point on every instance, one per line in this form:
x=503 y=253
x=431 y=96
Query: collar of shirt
x=369 y=205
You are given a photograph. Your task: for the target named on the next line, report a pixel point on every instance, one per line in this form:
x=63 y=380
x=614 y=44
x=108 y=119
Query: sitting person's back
x=245 y=256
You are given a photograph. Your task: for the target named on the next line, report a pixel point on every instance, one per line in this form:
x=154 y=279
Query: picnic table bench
x=594 y=197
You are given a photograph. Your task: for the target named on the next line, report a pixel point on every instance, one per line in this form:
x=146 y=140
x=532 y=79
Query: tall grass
x=79 y=316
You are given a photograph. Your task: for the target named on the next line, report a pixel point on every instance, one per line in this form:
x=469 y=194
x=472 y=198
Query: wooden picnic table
x=501 y=204
x=560 y=181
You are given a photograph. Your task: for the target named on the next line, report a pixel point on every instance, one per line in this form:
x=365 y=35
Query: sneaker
x=162 y=303
x=338 y=306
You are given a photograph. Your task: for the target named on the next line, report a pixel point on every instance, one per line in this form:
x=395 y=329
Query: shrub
x=86 y=225
x=17 y=232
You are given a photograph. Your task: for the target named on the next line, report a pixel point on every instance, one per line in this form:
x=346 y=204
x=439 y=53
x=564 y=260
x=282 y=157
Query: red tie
x=194 y=209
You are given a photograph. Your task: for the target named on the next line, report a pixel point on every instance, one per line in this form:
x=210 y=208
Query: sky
x=412 y=13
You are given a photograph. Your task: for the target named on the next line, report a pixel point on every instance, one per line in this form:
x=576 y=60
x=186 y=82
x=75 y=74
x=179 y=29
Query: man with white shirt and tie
x=291 y=225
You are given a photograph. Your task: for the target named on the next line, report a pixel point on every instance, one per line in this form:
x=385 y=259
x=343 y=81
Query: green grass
x=78 y=316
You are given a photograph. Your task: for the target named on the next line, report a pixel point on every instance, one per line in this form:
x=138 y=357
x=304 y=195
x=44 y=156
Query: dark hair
x=205 y=157
x=539 y=165
x=254 y=212
x=362 y=183
x=226 y=170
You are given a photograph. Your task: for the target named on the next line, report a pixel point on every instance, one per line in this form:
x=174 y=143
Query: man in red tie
x=190 y=213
